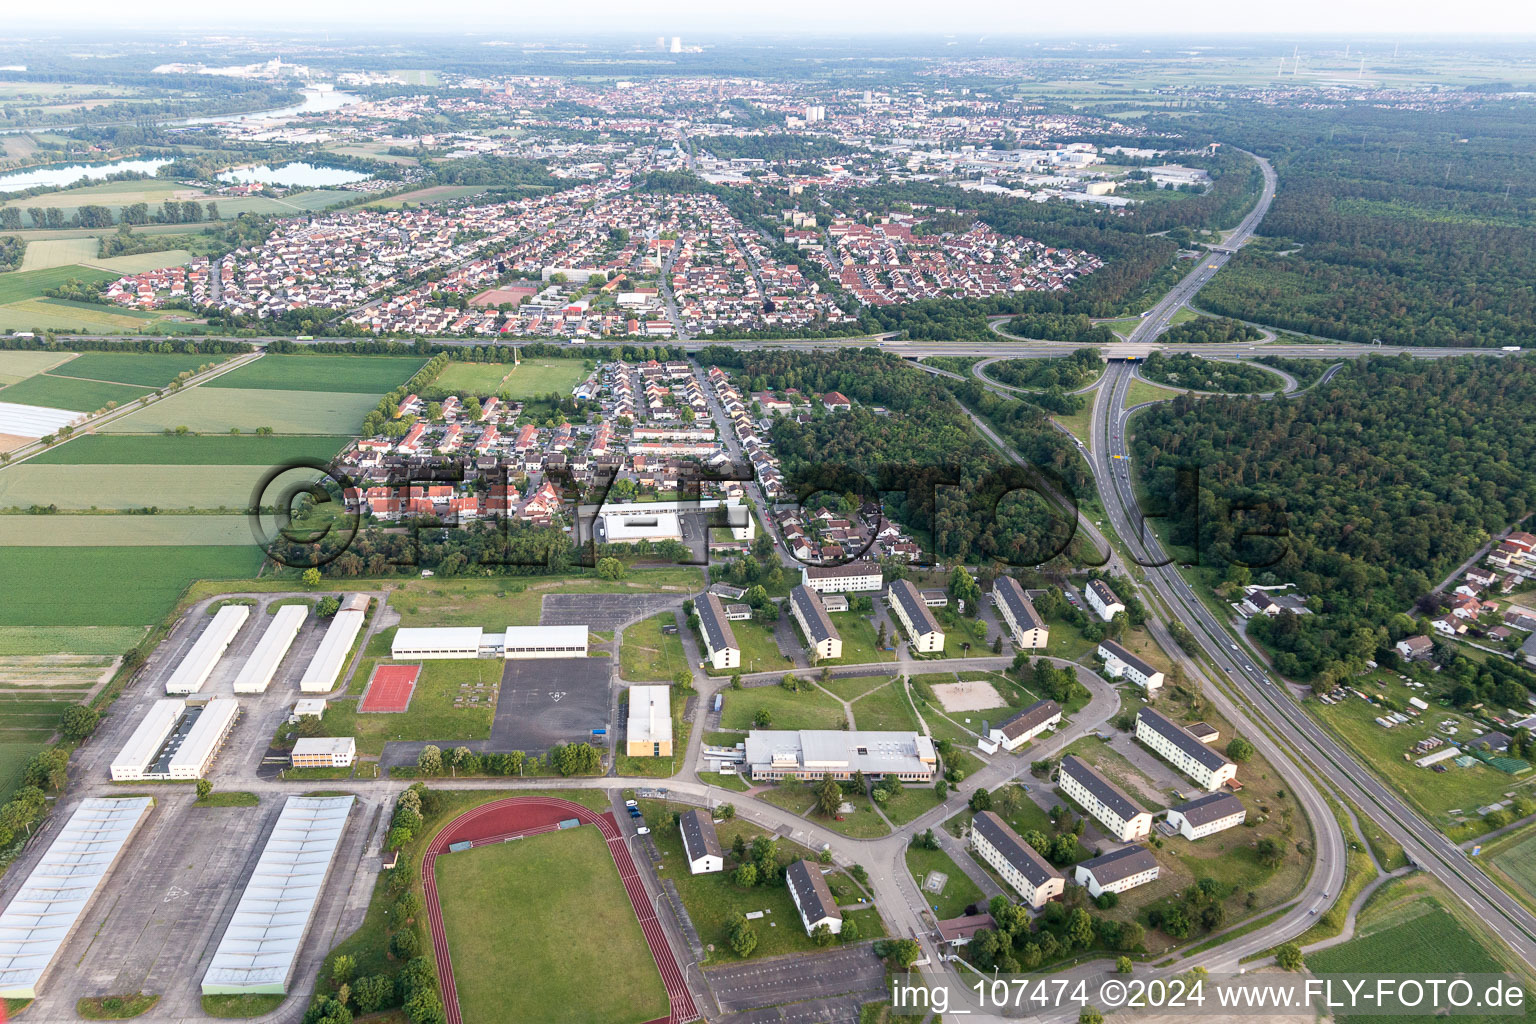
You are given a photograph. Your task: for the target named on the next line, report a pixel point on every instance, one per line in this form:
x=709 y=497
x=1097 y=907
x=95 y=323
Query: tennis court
x=390 y=688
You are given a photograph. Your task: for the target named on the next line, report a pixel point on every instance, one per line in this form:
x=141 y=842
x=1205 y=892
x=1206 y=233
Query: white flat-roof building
x=912 y=612
x=309 y=707
x=843 y=579
x=648 y=730
x=326 y=665
x=139 y=753
x=205 y=739
x=544 y=642
x=414 y=642
x=1121 y=816
x=1209 y=814
x=1025 y=626
x=815 y=753
x=324 y=752
x=1117 y=871
x=1174 y=744
x=257 y=672
x=1030 y=874
x=194 y=669
x=1119 y=662
x=50 y=903
x=261 y=944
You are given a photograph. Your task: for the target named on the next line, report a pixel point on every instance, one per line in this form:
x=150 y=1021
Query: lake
x=316 y=101
x=57 y=177
x=294 y=175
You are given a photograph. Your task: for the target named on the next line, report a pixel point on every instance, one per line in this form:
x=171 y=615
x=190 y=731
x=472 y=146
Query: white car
x=630 y=803
x=642 y=831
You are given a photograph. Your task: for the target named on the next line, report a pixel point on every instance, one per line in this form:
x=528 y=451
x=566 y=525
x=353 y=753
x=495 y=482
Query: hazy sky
x=1380 y=18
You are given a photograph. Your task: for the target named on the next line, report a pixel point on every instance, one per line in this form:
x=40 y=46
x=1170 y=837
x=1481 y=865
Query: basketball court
x=390 y=688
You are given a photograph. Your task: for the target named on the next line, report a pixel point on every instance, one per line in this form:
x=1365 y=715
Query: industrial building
x=813 y=897
x=843 y=579
x=1026 y=725
x=261 y=945
x=772 y=755
x=176 y=740
x=1117 y=871
x=625 y=522
x=720 y=645
x=824 y=639
x=1025 y=626
x=412 y=643
x=912 y=612
x=649 y=729
x=1207 y=815
x=1121 y=663
x=700 y=843
x=256 y=675
x=326 y=665
x=323 y=752
x=50 y=903
x=195 y=668
x=1030 y=874
x=1121 y=816
x=1174 y=744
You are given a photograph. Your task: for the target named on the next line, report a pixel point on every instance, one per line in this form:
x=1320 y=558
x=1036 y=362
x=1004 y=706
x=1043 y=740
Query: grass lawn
x=115 y=1007
x=649 y=654
x=800 y=798
x=62 y=586
x=1143 y=391
x=759 y=650
x=808 y=709
x=885 y=710
x=959 y=891
x=230 y=1007
x=234 y=798
x=911 y=803
x=371 y=375
x=474 y=378
x=190 y=450
x=534 y=922
x=853 y=687
x=1513 y=861
x=518 y=601
x=145 y=369
x=67 y=393
x=1079 y=424
x=218 y=410
x=534 y=378
x=1436 y=795
x=859 y=636
x=1122 y=773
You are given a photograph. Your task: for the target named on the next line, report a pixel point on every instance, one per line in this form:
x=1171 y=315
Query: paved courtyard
x=545 y=701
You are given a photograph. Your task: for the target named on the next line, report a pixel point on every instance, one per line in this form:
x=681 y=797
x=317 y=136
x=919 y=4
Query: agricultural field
x=60 y=314
x=372 y=375
x=22 y=641
x=128 y=486
x=146 y=369
x=30 y=284
x=189 y=449
x=13 y=757
x=112 y=194
x=20 y=364
x=211 y=410
x=573 y=923
x=138 y=263
x=59 y=252
x=1513 y=856
x=431 y=194
x=69 y=393
x=119 y=531
x=110 y=586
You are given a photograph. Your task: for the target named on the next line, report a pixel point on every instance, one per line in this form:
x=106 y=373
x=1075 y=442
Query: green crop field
x=140 y=262
x=59 y=252
x=190 y=449
x=30 y=284
x=115 y=194
x=534 y=378
x=1515 y=856
x=19 y=365
x=34 y=640
x=362 y=374
x=110 y=586
x=148 y=369
x=215 y=410
x=59 y=314
x=13 y=758
x=68 y=393
x=124 y=531
x=534 y=923
x=130 y=486
x=287 y=206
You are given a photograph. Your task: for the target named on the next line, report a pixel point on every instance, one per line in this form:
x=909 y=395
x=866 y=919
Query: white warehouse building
x=443 y=642
x=197 y=666
x=257 y=672
x=139 y=753
x=326 y=665
x=204 y=739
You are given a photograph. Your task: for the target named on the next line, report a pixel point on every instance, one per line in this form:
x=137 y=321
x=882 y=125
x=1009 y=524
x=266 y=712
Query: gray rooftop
x=1111 y=795
x=713 y=622
x=1209 y=808
x=905 y=594
x=1103 y=593
x=1008 y=591
x=811 y=892
x=1180 y=737
x=699 y=837
x=817 y=624
x=1127 y=657
x=1029 y=718
x=858 y=568
x=1014 y=850
x=1112 y=867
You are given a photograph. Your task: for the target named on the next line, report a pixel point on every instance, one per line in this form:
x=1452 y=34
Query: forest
x=1417 y=227
x=1071 y=371
x=1182 y=370
x=1364 y=491
x=1061 y=327
x=1210 y=330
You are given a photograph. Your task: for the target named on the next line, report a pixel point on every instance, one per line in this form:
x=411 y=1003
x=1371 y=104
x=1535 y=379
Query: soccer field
x=544 y=924
x=535 y=378
x=215 y=410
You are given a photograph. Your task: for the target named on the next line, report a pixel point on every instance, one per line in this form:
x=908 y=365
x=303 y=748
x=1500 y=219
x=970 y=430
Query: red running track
x=527 y=816
x=390 y=688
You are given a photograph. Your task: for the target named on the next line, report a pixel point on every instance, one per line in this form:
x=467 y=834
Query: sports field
x=69 y=393
x=58 y=314
x=148 y=369
x=534 y=378
x=544 y=924
x=129 y=486
x=110 y=586
x=473 y=378
x=360 y=374
x=212 y=410
x=121 y=531
x=390 y=689
x=189 y=449
x=19 y=365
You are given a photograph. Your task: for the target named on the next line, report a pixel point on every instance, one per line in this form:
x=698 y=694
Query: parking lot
x=547 y=701
x=603 y=612
x=854 y=970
